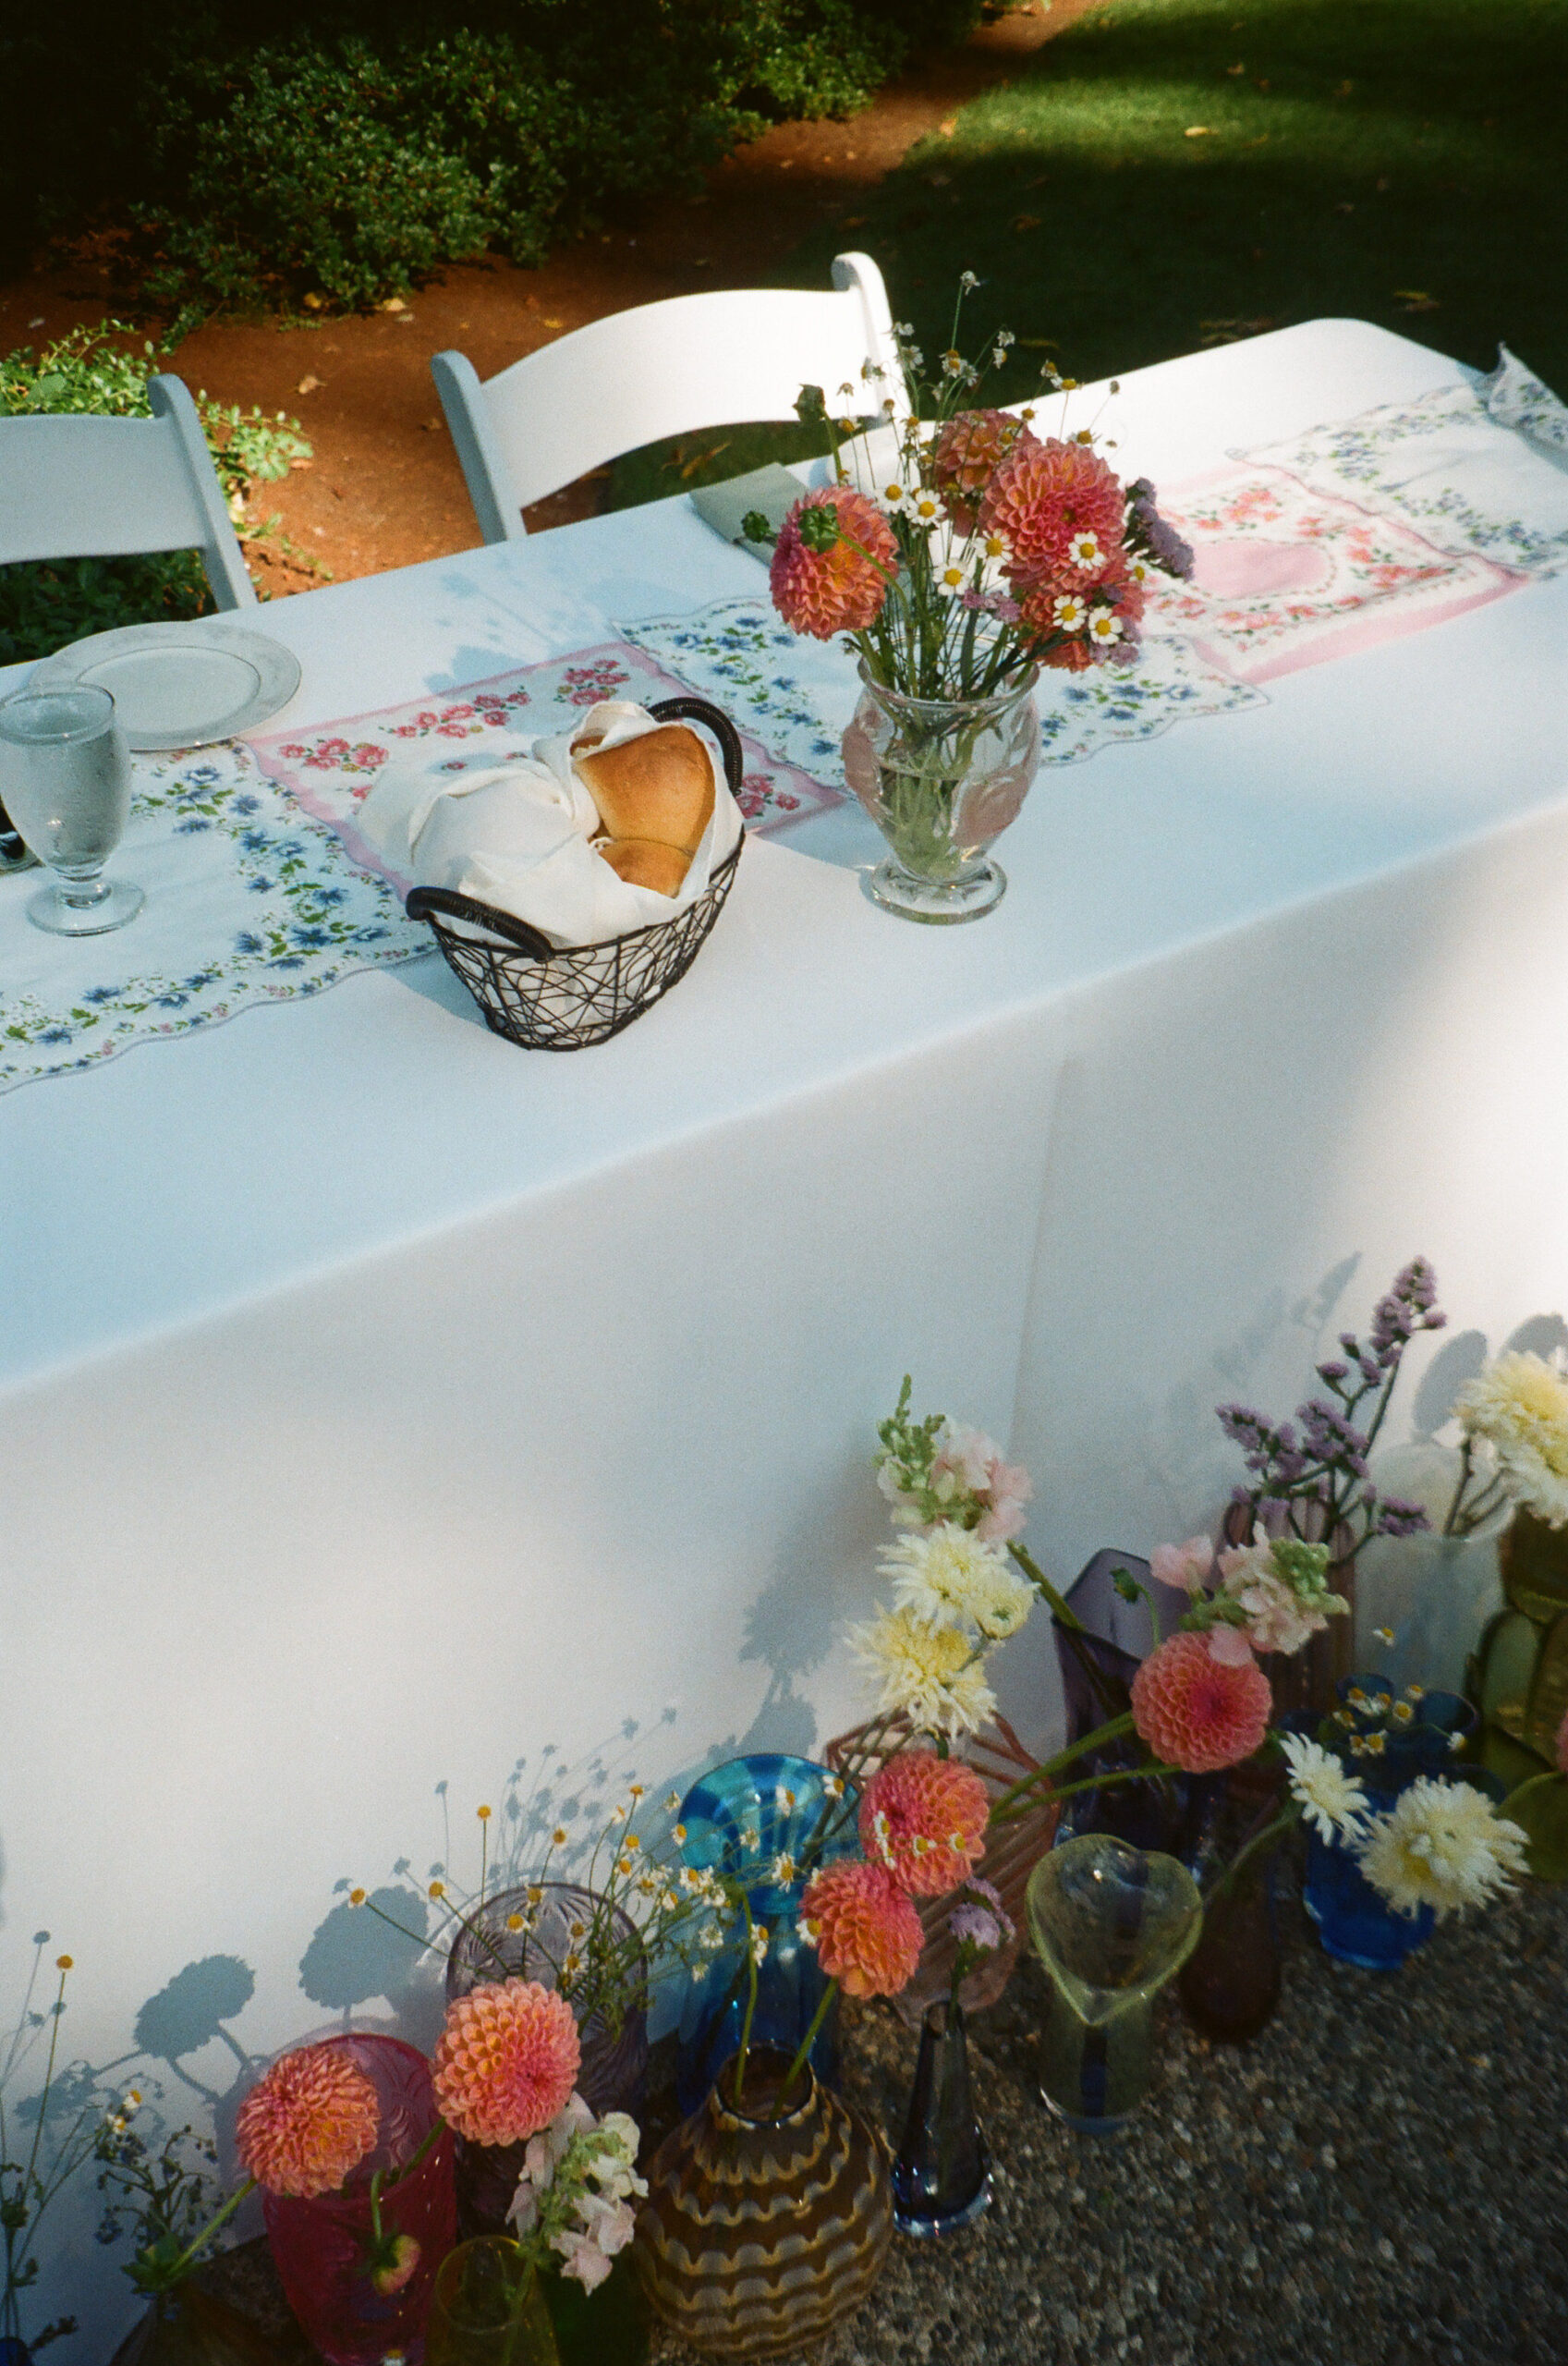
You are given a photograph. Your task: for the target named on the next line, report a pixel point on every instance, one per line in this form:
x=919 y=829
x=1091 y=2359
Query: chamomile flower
x=951 y=578
x=1084 y=551
x=1068 y=612
x=1105 y=626
x=893 y=497
x=923 y=508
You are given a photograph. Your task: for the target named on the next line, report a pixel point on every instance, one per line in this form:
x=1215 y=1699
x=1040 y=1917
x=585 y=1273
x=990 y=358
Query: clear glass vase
x=767 y=1822
x=1111 y=1925
x=614 y=2049
x=942 y=2177
x=941 y=778
x=488 y=2309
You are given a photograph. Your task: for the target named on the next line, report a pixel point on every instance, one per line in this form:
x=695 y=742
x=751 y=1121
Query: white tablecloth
x=381 y=1402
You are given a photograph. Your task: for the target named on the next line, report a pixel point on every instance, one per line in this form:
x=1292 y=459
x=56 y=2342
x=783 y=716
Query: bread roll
x=658 y=788
x=642 y=863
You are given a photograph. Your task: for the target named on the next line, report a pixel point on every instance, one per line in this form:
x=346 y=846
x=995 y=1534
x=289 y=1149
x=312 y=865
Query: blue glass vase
x=1354 y=1923
x=942 y=2177
x=741 y=1820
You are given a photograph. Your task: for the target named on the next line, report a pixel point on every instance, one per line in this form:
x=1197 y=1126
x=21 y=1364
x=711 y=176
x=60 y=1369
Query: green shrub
x=45 y=604
x=266 y=149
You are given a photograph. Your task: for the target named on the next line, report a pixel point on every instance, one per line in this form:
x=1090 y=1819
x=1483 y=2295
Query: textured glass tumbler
x=64 y=774
x=615 y=2059
x=1111 y=1924
x=487 y=2310
x=941 y=778
x=321 y=2244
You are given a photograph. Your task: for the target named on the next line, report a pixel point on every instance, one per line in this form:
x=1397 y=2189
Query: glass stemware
x=65 y=775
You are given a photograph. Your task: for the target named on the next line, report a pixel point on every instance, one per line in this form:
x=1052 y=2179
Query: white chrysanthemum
x=1332 y=1800
x=1518 y=1404
x=953 y=1576
x=1443 y=1845
x=932 y=1674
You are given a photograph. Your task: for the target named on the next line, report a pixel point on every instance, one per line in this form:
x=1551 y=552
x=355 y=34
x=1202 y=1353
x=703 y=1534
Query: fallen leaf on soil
x=392 y=304
x=308 y=384
x=313 y=302
x=545 y=322
x=1198 y=131
x=1026 y=222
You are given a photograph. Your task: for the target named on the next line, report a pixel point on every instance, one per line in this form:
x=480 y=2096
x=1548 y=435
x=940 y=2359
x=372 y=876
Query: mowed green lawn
x=1169 y=173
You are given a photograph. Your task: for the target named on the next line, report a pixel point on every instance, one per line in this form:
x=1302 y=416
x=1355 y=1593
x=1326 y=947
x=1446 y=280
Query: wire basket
x=562 y=998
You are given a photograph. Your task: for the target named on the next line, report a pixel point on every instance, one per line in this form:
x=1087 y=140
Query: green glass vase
x=487 y=2309
x=1111 y=1924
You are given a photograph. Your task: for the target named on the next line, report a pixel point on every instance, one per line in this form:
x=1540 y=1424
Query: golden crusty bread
x=659 y=788
x=641 y=862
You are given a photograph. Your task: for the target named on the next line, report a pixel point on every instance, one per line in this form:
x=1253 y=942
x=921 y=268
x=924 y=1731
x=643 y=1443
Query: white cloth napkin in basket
x=517 y=834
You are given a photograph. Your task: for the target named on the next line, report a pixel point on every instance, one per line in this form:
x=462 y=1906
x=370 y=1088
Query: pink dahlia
x=925 y=1818
x=308 y=2122
x=1041 y=496
x=865 y=1930
x=967 y=455
x=507 y=2061
x=841 y=589
x=1197 y=1712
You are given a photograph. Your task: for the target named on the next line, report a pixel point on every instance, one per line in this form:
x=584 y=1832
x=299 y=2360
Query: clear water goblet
x=65 y=776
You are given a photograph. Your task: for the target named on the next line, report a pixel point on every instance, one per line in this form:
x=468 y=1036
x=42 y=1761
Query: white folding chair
x=738 y=355
x=86 y=487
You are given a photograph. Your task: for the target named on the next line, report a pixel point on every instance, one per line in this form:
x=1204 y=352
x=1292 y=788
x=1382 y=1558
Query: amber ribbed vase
x=760 y=2233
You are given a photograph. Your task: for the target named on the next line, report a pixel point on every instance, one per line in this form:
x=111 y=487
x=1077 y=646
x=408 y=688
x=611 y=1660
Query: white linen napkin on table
x=517 y=834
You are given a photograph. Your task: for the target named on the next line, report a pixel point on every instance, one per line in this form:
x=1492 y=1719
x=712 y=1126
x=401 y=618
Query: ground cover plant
x=280 y=151
x=45 y=604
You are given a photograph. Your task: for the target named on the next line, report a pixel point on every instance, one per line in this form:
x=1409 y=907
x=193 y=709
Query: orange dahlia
x=865 y=1930
x=925 y=1817
x=841 y=589
x=308 y=2122
x=507 y=2061
x=1197 y=1712
x=967 y=455
x=1045 y=494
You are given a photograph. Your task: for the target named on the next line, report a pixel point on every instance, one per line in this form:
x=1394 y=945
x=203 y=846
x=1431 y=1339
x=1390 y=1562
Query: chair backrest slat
x=680 y=367
x=87 y=487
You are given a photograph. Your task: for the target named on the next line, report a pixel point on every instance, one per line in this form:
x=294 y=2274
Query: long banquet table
x=383 y=1404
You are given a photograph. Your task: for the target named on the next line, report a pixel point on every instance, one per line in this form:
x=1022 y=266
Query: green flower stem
x=1153 y=1773
x=179 y=2268
x=809 y=2040
x=1276 y=1830
x=1071 y=1624
x=750 y=2002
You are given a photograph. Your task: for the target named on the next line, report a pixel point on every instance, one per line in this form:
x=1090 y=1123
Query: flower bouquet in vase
x=975 y=552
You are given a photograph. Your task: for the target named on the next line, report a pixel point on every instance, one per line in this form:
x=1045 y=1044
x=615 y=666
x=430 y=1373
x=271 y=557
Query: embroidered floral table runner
x=260 y=888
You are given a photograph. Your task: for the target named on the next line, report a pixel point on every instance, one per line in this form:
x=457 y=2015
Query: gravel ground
x=1379 y=2179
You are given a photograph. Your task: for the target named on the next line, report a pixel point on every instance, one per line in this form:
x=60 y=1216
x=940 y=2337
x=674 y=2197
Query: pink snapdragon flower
x=1185 y=1567
x=1276 y=1620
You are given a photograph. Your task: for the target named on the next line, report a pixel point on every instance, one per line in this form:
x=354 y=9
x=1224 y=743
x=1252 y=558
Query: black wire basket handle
x=423 y=902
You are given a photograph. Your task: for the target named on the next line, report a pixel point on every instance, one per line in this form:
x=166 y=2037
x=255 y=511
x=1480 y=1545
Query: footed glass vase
x=767 y=1822
x=1111 y=1925
x=942 y=2177
x=768 y=2218
x=941 y=778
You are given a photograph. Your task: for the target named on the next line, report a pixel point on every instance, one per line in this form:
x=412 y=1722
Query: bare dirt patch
x=385 y=489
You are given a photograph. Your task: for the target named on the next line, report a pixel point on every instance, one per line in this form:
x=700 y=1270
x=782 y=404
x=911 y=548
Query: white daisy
x=952 y=579
x=1105 y=626
x=893 y=497
x=1442 y=1844
x=1084 y=550
x=1332 y=1802
x=926 y=510
x=1068 y=612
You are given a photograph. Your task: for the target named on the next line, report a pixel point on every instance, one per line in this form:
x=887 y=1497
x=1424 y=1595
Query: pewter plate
x=179 y=686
